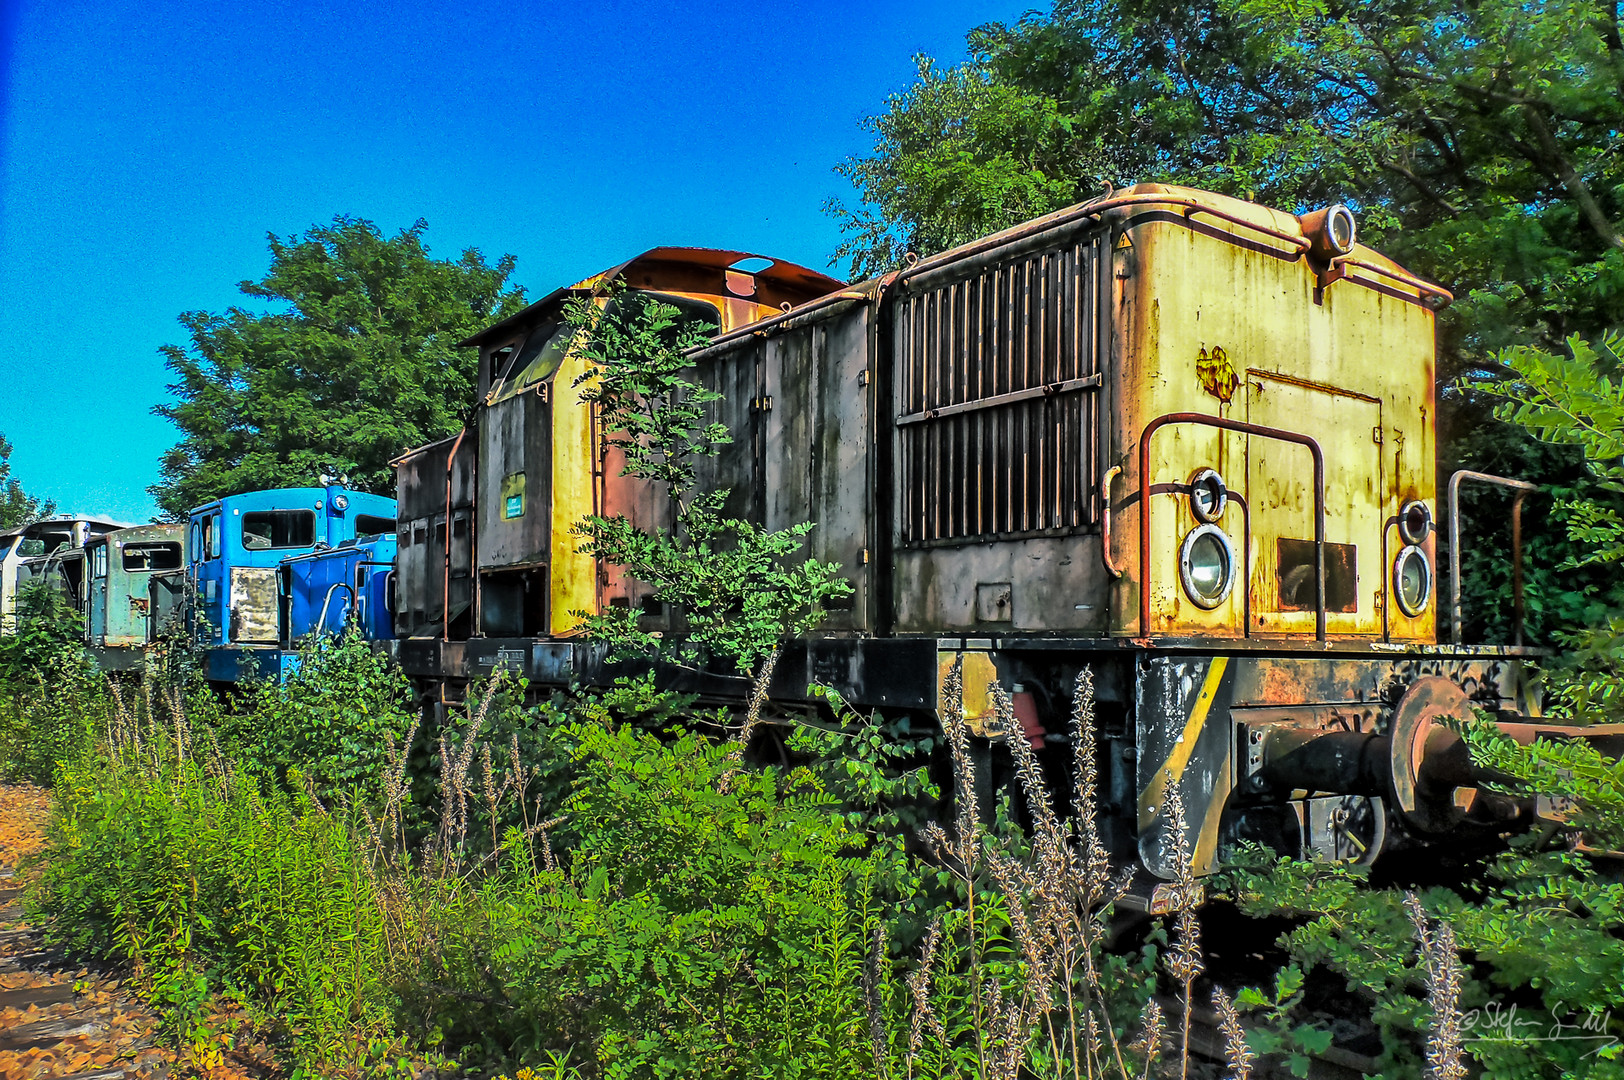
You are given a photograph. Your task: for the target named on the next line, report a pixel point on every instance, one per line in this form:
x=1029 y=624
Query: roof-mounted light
x=1332 y=231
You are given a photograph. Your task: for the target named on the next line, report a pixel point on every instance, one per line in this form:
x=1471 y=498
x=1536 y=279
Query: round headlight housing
x=1208 y=496
x=1414 y=522
x=1412 y=581
x=341 y=502
x=1207 y=566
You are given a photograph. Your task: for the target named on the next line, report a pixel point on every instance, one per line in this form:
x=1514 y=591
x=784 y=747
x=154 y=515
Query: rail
x=321 y=623
x=1203 y=420
x=1522 y=488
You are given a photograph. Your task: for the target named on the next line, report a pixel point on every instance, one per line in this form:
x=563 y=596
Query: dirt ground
x=63 y=1019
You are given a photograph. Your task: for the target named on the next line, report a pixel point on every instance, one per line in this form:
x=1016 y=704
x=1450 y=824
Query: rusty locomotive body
x=1179 y=438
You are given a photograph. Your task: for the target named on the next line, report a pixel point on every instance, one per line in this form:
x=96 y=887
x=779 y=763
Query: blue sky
x=147 y=148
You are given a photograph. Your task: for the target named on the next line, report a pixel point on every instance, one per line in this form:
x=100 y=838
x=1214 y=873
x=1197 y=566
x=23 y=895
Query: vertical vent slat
x=1015 y=467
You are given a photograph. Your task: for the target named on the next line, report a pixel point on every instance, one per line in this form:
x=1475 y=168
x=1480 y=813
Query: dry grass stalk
x=1057 y=896
x=1149 y=1043
x=919 y=987
x=454 y=769
x=1185 y=962
x=874 y=968
x=1239 y=1055
x=1445 y=1052
x=758 y=701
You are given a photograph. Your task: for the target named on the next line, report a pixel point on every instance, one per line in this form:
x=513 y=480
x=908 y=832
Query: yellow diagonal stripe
x=1173 y=768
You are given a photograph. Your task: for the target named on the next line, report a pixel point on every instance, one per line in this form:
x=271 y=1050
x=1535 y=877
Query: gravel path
x=62 y=1020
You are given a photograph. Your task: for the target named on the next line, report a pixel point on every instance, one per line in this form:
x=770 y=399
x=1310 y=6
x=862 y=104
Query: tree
x=349 y=359
x=17 y=507
x=738 y=589
x=1478 y=140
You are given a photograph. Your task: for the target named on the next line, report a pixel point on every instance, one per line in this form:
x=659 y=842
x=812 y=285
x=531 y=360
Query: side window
x=278 y=529
x=211 y=535
x=373 y=525
x=98 y=561
x=142 y=557
x=197 y=541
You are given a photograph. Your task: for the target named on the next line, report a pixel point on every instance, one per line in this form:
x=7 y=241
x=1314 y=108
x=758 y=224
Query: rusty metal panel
x=1218 y=311
x=1052 y=584
x=735 y=372
x=515 y=471
x=122 y=612
x=1281 y=497
x=996 y=380
x=424 y=480
x=818 y=444
x=254 y=605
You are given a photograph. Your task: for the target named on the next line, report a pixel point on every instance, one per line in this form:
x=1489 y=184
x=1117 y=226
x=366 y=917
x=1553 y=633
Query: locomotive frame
x=1033 y=453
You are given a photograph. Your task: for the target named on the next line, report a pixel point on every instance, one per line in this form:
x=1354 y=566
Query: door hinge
x=1376 y=433
x=762 y=404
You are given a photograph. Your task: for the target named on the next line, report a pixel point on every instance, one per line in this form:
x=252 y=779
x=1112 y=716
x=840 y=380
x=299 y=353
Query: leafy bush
x=336 y=719
x=197 y=880
x=709 y=921
x=52 y=700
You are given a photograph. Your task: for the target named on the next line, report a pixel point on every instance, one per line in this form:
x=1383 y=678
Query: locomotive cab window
x=269 y=529
x=691 y=313
x=372 y=525
x=139 y=558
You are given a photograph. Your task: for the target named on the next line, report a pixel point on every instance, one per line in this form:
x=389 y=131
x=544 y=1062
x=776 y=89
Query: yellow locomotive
x=1183 y=439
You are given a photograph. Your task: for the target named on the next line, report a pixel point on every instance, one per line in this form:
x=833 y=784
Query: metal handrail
x=1105 y=520
x=321 y=623
x=1522 y=488
x=1203 y=420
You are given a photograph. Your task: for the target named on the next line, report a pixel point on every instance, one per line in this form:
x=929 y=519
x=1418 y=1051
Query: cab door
x=208 y=575
x=1280 y=491
x=96 y=594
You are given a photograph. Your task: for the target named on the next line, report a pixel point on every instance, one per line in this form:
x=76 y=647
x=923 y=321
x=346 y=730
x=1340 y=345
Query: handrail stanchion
x=1522 y=488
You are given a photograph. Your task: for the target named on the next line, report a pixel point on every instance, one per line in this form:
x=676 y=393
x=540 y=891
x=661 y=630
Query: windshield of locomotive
x=697 y=314
x=536 y=360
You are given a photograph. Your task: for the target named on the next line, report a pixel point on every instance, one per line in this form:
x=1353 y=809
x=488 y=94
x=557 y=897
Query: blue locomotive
x=324 y=590
x=235 y=551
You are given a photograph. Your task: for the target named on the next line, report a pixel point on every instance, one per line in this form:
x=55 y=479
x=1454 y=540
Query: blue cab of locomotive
x=325 y=590
x=237 y=545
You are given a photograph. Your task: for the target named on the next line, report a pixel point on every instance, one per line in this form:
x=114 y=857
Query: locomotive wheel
x=1358 y=830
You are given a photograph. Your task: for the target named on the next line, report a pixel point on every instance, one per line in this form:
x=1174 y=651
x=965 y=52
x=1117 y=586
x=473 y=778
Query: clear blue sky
x=147 y=147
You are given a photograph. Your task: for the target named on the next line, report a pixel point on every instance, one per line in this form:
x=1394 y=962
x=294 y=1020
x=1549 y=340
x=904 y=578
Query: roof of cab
x=786 y=275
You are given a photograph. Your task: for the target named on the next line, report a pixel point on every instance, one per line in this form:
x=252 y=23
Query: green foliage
x=1277 y=1034
x=346 y=356
x=335 y=719
x=736 y=585
x=1576 y=400
x=709 y=921
x=199 y=882
x=17 y=507
x=52 y=700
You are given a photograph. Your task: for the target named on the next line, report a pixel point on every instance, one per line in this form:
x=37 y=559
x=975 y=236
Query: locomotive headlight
x=1412 y=581
x=341 y=503
x=1331 y=231
x=1208 y=496
x=1207 y=566
x=1414 y=522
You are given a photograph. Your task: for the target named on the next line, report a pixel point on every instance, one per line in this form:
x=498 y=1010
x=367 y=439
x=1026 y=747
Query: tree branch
x=1577 y=188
